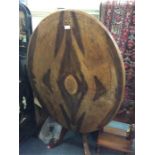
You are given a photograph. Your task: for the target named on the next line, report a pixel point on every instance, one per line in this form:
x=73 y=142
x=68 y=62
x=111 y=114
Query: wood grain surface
x=76 y=70
x=114 y=142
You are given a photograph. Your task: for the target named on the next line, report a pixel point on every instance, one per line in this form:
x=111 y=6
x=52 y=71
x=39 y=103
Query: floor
x=72 y=145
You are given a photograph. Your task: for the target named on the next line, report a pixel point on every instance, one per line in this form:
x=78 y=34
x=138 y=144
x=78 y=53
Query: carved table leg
x=98 y=147
x=98 y=150
x=54 y=142
x=86 y=145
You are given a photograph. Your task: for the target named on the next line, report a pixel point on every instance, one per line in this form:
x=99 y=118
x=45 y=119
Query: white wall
x=42 y=8
x=48 y=5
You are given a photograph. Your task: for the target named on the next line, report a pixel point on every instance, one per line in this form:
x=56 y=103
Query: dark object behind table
x=27 y=123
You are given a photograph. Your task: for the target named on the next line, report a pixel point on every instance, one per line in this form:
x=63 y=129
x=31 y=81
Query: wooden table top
x=76 y=70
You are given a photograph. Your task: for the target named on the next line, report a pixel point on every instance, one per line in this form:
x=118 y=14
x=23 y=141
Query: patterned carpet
x=119 y=18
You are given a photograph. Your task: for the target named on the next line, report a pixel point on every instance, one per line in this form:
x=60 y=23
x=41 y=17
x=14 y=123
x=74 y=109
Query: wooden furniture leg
x=86 y=145
x=98 y=147
x=98 y=150
x=54 y=142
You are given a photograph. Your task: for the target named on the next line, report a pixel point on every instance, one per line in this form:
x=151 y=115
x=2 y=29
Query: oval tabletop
x=76 y=70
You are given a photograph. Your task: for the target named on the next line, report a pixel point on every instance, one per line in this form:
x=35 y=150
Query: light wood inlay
x=71 y=84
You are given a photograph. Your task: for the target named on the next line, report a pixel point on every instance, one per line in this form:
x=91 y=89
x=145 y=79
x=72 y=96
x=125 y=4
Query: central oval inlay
x=71 y=84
